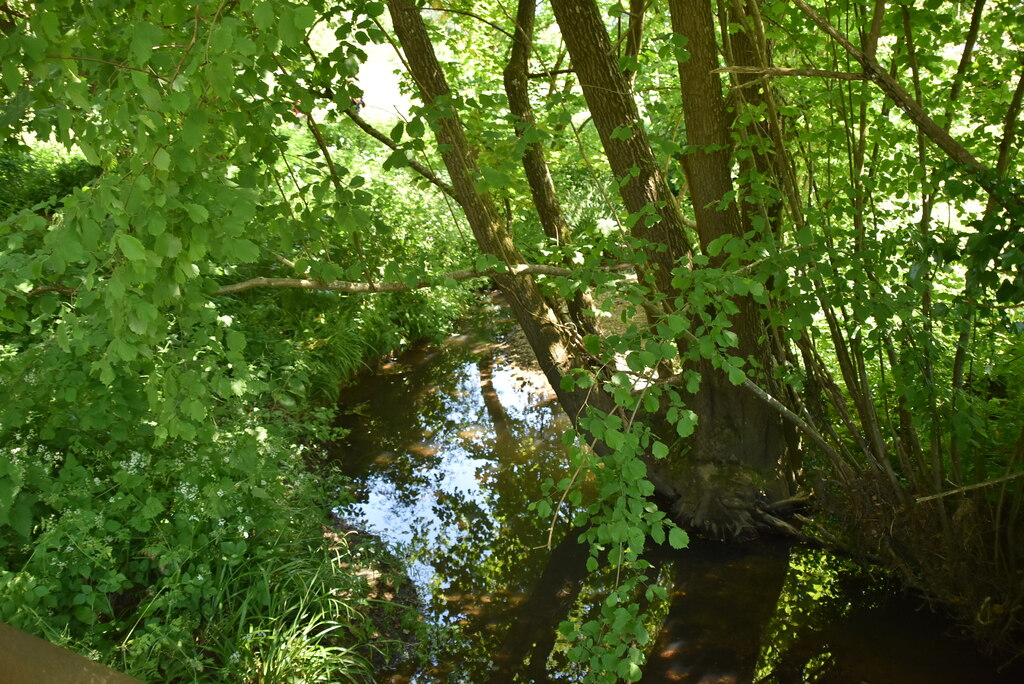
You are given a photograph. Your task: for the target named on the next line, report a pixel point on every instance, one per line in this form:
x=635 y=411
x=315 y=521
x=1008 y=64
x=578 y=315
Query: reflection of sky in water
x=455 y=449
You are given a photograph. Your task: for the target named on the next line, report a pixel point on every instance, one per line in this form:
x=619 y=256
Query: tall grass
x=293 y=620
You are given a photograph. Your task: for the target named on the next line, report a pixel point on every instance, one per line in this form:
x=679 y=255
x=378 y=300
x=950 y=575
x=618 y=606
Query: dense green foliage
x=857 y=290
x=38 y=179
x=160 y=517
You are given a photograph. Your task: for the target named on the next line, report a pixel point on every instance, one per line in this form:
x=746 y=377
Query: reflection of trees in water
x=490 y=567
x=496 y=599
x=721 y=600
x=480 y=540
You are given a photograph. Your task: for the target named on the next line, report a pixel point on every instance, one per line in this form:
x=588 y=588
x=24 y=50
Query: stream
x=450 y=444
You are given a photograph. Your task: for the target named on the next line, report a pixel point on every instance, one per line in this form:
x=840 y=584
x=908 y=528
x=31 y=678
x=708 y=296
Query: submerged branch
x=370 y=287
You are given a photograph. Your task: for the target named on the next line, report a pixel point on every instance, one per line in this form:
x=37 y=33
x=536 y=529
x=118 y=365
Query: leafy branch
x=412 y=163
x=984 y=176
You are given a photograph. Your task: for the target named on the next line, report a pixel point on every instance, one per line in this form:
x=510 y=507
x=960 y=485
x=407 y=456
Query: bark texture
x=739 y=439
x=642 y=186
x=542 y=187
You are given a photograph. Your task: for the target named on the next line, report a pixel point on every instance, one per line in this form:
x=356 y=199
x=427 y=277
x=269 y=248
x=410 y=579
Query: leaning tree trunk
x=643 y=187
x=539 y=322
x=542 y=187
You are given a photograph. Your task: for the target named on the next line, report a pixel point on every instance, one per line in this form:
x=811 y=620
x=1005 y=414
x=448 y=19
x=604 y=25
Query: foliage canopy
x=818 y=209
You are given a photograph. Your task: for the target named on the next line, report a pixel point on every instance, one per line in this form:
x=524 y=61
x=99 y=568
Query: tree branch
x=772 y=72
x=76 y=58
x=635 y=32
x=965 y=58
x=413 y=164
x=969 y=488
x=550 y=73
x=60 y=289
x=482 y=20
x=871 y=41
x=984 y=176
x=371 y=287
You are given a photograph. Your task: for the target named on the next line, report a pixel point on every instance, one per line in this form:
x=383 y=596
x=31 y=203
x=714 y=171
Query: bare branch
x=773 y=72
x=550 y=73
x=968 y=488
x=75 y=58
x=490 y=23
x=60 y=289
x=371 y=287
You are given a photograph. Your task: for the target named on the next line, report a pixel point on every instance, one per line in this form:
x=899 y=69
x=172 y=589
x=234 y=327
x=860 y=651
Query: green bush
x=42 y=175
x=188 y=564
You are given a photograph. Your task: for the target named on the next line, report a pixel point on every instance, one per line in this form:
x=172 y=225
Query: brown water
x=450 y=445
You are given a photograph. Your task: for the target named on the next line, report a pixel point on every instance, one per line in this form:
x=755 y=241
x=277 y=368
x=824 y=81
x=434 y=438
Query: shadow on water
x=450 y=444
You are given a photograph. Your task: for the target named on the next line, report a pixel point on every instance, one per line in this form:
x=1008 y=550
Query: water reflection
x=451 y=444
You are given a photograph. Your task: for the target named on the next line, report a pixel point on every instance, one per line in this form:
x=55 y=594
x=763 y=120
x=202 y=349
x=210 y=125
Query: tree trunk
x=542 y=188
x=539 y=322
x=737 y=432
x=642 y=186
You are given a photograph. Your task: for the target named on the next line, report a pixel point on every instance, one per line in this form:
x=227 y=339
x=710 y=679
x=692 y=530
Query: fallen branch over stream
x=389 y=286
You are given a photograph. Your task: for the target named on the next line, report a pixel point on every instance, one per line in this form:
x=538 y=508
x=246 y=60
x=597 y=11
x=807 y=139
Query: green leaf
x=197 y=212
x=144 y=37
x=396 y=160
x=167 y=245
x=677 y=538
x=304 y=16
x=495 y=178
x=244 y=251
x=162 y=160
x=686 y=424
x=131 y=247
x=736 y=374
x=398 y=131
x=235 y=340
x=263 y=15
x=715 y=246
x=622 y=133
x=151 y=508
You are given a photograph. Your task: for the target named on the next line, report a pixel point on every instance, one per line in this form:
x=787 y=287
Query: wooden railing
x=25 y=659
